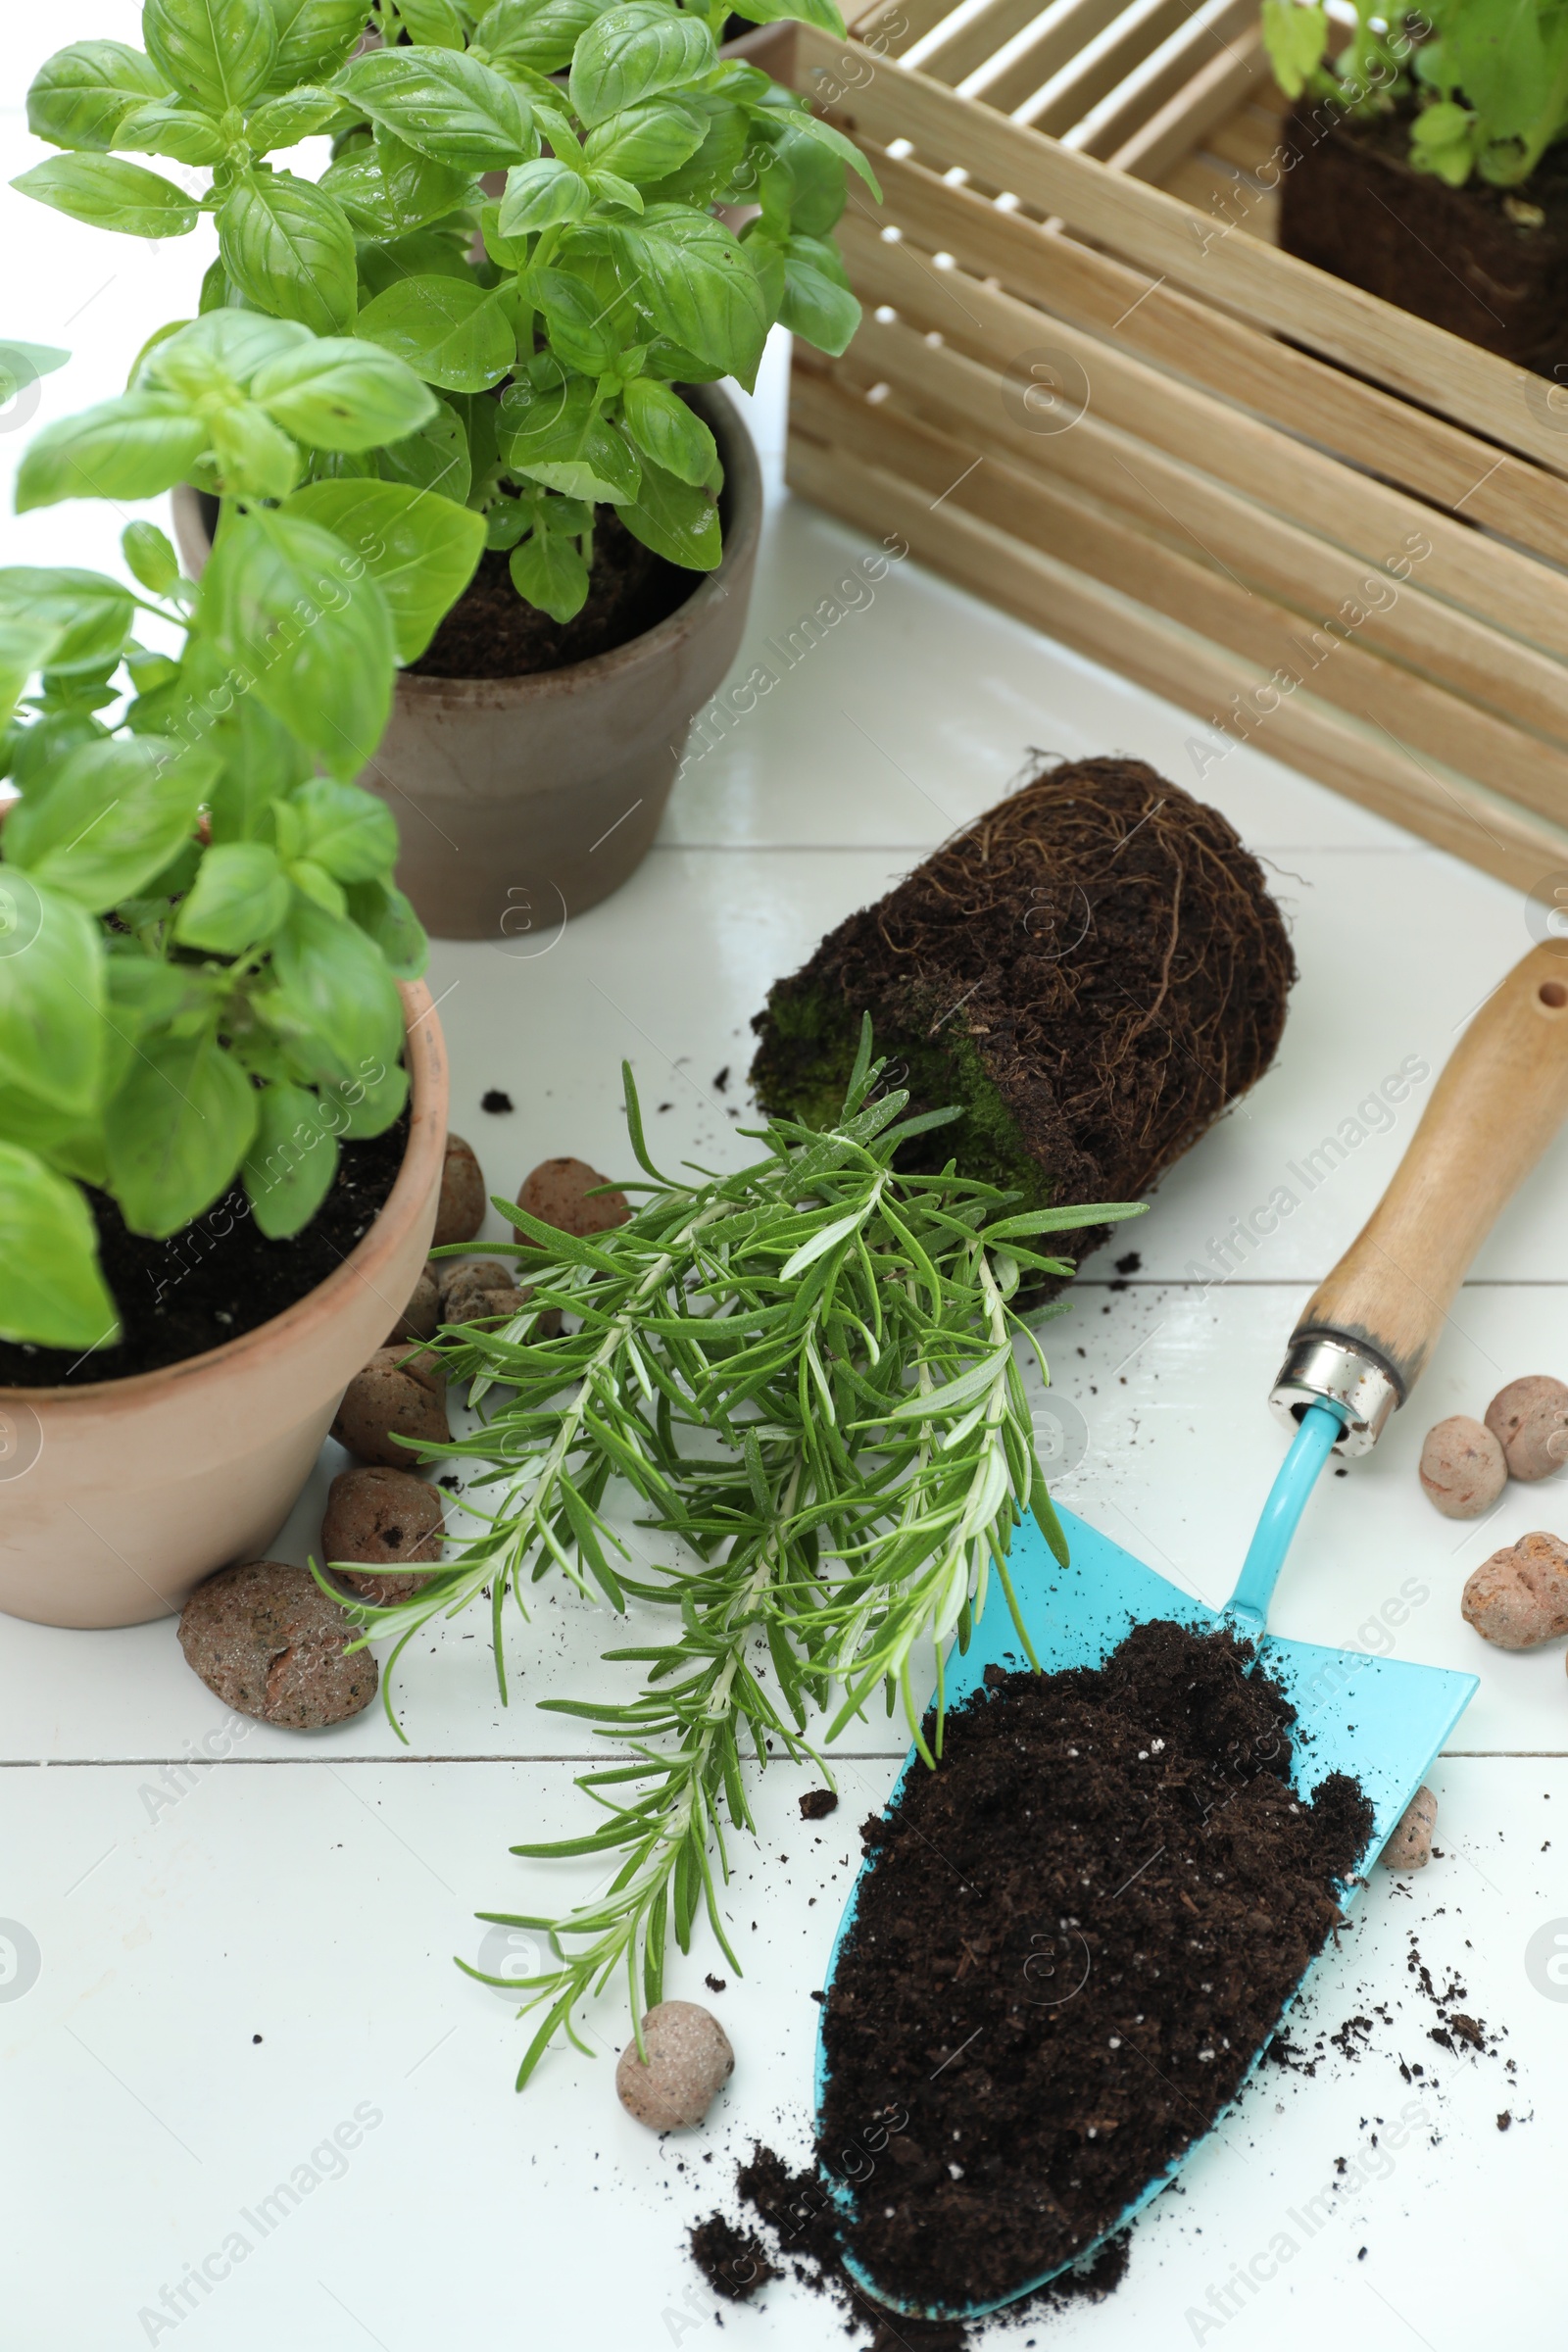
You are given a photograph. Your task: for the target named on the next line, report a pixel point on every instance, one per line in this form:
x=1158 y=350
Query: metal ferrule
x=1331 y=1371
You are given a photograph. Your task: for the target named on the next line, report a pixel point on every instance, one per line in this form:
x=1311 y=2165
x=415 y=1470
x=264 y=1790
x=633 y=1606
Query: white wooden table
x=248 y=2099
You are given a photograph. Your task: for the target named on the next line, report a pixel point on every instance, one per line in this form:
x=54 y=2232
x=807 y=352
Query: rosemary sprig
x=806 y=1373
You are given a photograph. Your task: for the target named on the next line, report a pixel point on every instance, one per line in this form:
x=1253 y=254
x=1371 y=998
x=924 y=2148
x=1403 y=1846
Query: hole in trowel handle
x=1553 y=993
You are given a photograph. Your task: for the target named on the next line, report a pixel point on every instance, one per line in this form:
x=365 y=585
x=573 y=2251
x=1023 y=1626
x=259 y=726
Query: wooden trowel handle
x=1497 y=1105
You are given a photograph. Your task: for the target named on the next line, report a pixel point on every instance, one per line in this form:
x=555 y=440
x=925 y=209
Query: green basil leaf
x=451 y=331
x=555 y=437
x=346 y=830
x=304 y=622
x=290 y=250
x=390 y=188
x=217 y=53
x=766 y=257
x=114 y=816
x=292 y=1159
x=646 y=143
x=284 y=121
x=444 y=103
x=343 y=393
x=818 y=188
x=433 y=24
x=807 y=125
x=150 y=559
x=540 y=34
x=435 y=458
x=508 y=521
x=107 y=193
x=79 y=97
x=52 y=1290
x=540 y=194
x=370 y=1100
x=426 y=252
x=312 y=38
x=132 y=447
x=385 y=915
x=51 y=995
x=821 y=13
x=548 y=571
x=727 y=128
x=238 y=900
x=176 y=1131
x=420 y=551
x=698 y=284
x=166 y=128
x=261 y=760
x=219 y=352
x=580 y=333
x=335 y=1000
x=614 y=191
x=665 y=429
x=252 y=457
x=93 y=613
x=676 y=520
x=635 y=52
x=818 y=310
x=318 y=884
x=26 y=645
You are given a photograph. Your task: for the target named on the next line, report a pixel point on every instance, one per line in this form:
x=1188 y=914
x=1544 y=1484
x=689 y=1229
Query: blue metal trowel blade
x=1379 y=1719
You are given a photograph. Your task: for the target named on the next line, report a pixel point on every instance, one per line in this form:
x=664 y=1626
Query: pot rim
x=422 y=1161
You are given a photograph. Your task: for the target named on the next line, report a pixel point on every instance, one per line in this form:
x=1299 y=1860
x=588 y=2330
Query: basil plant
x=199 y=935
x=554 y=318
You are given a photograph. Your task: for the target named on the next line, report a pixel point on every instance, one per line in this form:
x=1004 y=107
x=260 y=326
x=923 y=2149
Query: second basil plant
x=554 y=318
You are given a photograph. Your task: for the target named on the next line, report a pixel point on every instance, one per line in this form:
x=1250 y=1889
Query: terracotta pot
x=117 y=1498
x=523 y=801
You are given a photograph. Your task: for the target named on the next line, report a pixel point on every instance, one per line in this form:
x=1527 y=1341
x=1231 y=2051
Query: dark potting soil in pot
x=490 y=632
x=220 y=1277
x=1488 y=264
x=1078 y=1933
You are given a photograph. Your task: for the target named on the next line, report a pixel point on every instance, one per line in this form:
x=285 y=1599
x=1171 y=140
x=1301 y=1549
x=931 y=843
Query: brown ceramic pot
x=523 y=801
x=118 y=1498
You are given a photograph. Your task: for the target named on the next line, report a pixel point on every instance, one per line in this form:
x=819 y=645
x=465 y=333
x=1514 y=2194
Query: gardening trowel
x=1354 y=1359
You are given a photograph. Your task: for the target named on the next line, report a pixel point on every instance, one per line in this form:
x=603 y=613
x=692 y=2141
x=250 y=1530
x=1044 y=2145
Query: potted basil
x=1425 y=163
x=221 y=1088
x=573 y=326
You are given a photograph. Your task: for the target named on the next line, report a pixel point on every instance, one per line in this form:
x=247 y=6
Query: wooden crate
x=1089 y=388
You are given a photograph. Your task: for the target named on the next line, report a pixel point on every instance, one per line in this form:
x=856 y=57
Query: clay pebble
x=689 y=2061
x=422 y=1317
x=1463 y=1468
x=381 y=1515
x=271 y=1643
x=1530 y=1420
x=477 y=1289
x=460 y=1212
x=1519 y=1597
x=401 y=1393
x=1409 y=1848
x=558 y=1193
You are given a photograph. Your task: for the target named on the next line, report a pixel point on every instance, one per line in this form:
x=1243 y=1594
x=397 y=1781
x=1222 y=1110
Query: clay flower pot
x=523 y=801
x=118 y=1498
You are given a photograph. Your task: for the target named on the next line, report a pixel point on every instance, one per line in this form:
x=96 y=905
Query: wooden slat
x=1091 y=290
x=1030 y=59
x=1249 y=137
x=1165 y=73
x=1188 y=671
x=890 y=26
x=1088 y=531
x=1210 y=99
x=968 y=44
x=1225 y=198
x=1395 y=349
x=1282 y=475
x=1100 y=66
